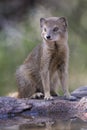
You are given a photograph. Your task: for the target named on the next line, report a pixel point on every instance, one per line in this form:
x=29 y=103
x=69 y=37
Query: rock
x=80 y=92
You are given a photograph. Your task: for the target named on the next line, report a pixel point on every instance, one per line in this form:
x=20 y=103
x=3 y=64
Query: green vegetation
x=18 y=39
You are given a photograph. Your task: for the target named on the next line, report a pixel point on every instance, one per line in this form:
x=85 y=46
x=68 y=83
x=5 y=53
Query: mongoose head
x=53 y=28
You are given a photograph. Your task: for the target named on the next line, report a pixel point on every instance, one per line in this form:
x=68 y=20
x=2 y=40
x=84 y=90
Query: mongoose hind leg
x=26 y=88
x=26 y=91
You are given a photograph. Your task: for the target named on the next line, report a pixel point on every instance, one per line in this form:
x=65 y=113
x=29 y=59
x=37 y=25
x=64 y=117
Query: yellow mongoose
x=47 y=63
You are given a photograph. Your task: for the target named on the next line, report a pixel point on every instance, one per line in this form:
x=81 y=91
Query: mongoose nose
x=48 y=37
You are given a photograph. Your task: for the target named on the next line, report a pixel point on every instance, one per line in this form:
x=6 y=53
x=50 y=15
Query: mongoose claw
x=48 y=98
x=37 y=95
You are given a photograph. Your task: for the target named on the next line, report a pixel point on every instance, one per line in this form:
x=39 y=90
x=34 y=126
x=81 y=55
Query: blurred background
x=20 y=32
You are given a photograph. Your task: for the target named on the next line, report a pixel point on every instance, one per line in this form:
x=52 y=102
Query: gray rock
x=80 y=92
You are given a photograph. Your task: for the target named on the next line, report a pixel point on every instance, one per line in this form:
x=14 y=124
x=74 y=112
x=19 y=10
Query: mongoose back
x=47 y=63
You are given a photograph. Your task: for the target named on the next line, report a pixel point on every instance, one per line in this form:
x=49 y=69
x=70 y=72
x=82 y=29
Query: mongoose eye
x=55 y=29
x=45 y=30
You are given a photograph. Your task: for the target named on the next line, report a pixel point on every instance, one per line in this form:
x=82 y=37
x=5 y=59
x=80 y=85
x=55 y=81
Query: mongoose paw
x=37 y=95
x=48 y=98
x=71 y=98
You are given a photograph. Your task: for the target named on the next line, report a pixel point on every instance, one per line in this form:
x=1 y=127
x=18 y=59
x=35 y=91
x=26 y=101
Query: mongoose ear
x=42 y=21
x=63 y=20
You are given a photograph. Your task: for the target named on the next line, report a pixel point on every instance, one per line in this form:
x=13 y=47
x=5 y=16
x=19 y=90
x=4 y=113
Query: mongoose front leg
x=46 y=84
x=54 y=84
x=45 y=72
x=63 y=74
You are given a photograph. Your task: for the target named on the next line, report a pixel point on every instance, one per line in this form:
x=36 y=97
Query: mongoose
x=47 y=63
